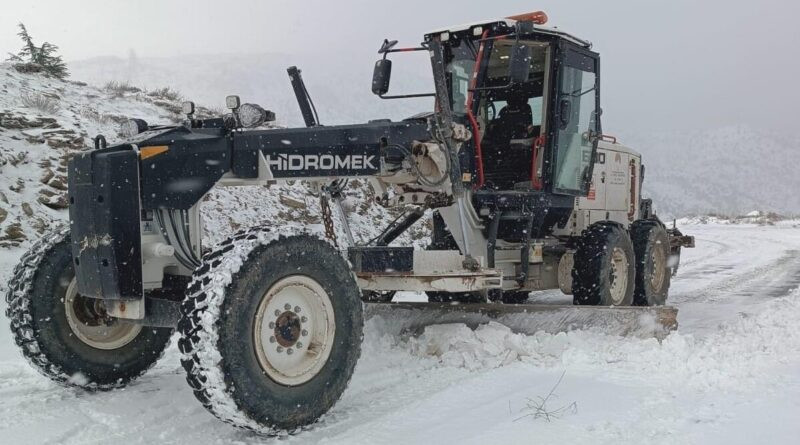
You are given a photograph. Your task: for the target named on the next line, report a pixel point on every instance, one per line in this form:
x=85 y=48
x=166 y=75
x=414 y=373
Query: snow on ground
x=729 y=375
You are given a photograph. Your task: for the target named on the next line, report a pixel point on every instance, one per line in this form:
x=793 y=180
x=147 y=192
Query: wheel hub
x=618 y=275
x=294 y=330
x=659 y=267
x=287 y=329
x=91 y=324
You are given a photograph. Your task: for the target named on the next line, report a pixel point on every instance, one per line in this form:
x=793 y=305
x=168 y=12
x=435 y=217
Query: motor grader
x=525 y=190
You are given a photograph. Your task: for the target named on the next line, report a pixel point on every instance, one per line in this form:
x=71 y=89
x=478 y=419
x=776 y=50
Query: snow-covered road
x=731 y=374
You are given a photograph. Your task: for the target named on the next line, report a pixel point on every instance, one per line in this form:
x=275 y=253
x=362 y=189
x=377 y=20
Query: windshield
x=461 y=63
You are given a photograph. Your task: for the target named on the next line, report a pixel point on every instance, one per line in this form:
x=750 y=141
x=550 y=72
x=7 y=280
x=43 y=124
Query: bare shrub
x=45 y=104
x=93 y=115
x=19 y=158
x=165 y=93
x=118 y=89
x=537 y=407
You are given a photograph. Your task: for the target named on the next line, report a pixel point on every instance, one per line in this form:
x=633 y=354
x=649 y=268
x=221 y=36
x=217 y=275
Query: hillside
x=44 y=121
x=731 y=170
x=340 y=88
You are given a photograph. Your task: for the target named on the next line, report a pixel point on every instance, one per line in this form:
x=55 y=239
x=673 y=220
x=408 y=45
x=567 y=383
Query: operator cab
x=530 y=97
x=534 y=134
x=538 y=133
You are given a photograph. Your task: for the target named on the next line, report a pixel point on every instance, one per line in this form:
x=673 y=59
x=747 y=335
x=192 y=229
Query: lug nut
x=304 y=332
x=272 y=339
x=297 y=309
x=289 y=351
x=280 y=349
x=299 y=345
x=272 y=325
x=303 y=319
x=287 y=306
x=277 y=313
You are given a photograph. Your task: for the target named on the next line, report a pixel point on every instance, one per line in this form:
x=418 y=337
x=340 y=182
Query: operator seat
x=504 y=164
x=512 y=122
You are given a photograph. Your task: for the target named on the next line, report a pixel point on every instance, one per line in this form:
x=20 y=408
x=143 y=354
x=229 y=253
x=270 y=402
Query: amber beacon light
x=537 y=17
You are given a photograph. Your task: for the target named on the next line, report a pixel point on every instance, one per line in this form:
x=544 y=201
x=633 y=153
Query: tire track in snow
x=743 y=256
x=788 y=266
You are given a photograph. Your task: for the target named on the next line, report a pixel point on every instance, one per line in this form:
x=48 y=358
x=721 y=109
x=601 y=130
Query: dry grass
x=93 y=115
x=165 y=93
x=40 y=102
x=118 y=89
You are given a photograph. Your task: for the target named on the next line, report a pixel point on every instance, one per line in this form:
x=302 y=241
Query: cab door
x=576 y=123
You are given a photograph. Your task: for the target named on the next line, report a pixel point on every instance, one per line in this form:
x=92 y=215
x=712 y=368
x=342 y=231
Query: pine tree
x=51 y=62
x=44 y=56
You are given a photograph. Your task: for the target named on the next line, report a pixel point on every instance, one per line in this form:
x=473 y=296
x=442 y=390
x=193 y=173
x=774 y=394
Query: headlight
x=251 y=115
x=187 y=107
x=232 y=102
x=132 y=127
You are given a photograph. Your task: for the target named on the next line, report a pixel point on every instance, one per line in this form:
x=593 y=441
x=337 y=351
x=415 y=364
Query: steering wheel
x=493 y=110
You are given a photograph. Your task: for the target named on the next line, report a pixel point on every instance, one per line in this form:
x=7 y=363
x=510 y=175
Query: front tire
x=67 y=337
x=271 y=330
x=652 y=250
x=604 y=267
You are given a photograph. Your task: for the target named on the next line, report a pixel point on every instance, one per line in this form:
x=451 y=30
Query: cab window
x=512 y=117
x=577 y=128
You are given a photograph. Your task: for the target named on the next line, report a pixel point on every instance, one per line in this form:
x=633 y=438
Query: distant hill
x=731 y=170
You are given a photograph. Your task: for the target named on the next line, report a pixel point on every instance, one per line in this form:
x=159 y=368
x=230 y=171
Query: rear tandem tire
x=652 y=250
x=604 y=267
x=271 y=330
x=67 y=337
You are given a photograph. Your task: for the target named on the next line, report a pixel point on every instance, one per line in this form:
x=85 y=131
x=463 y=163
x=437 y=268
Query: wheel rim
x=294 y=330
x=659 y=263
x=618 y=276
x=89 y=322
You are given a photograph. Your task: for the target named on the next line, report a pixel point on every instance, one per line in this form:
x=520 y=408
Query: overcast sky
x=673 y=64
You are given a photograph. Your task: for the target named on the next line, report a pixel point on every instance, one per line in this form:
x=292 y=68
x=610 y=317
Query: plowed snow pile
x=739 y=352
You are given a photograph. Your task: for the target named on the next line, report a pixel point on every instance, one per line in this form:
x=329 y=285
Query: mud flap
x=104 y=215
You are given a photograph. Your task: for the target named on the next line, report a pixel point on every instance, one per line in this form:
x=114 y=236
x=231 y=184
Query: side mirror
x=381 y=76
x=387 y=46
x=564 y=111
x=519 y=64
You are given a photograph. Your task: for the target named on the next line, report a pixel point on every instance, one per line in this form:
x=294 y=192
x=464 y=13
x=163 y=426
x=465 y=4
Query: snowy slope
x=729 y=375
x=35 y=144
x=42 y=123
x=340 y=89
